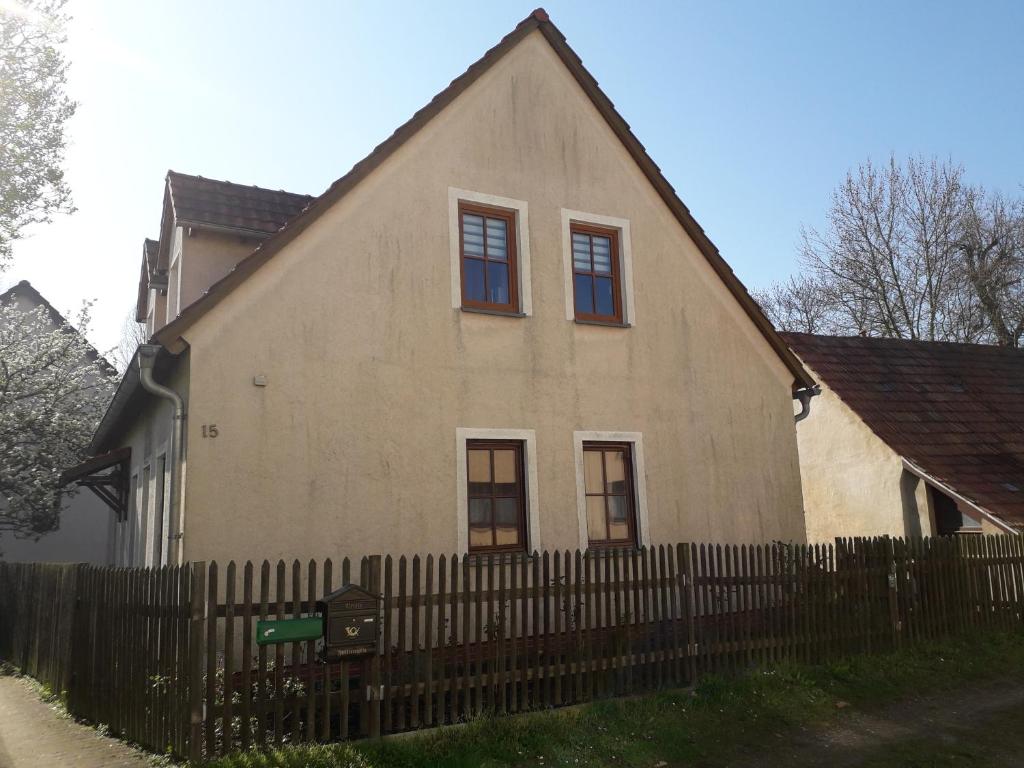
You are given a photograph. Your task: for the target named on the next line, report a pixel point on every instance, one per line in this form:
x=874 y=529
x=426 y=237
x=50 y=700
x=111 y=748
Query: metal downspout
x=147 y=358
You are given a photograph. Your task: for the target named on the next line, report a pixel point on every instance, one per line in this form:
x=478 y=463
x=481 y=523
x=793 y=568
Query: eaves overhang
x=127 y=401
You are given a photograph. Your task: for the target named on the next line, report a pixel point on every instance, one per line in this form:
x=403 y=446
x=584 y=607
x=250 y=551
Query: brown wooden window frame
x=592 y=230
x=629 y=495
x=520 y=450
x=509 y=217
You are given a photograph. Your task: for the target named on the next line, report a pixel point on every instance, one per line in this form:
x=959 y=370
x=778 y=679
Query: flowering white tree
x=34 y=109
x=53 y=390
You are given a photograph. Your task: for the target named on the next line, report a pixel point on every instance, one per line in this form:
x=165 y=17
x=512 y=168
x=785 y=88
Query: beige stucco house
x=911 y=438
x=500 y=331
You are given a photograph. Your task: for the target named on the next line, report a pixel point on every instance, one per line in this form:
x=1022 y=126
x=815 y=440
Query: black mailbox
x=351 y=622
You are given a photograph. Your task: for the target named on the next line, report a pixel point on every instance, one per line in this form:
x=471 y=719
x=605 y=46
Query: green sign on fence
x=289 y=630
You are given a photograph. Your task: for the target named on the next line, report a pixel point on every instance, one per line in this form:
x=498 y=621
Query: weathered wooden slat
x=296 y=650
x=417 y=653
x=311 y=698
x=197 y=634
x=475 y=670
x=513 y=635
x=577 y=598
x=556 y=628
x=401 y=641
x=467 y=679
x=211 y=664
x=247 y=635
x=279 y=691
x=262 y=673
x=428 y=639
x=326 y=730
x=227 y=726
x=439 y=708
x=501 y=687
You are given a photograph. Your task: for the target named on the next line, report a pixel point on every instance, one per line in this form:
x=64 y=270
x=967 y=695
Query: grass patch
x=722 y=719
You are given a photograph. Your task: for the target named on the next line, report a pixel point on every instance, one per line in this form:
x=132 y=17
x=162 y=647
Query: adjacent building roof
x=197 y=201
x=223 y=206
x=26 y=290
x=956 y=411
x=538 y=20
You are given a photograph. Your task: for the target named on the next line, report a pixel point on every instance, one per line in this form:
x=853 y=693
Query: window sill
x=495 y=312
x=605 y=323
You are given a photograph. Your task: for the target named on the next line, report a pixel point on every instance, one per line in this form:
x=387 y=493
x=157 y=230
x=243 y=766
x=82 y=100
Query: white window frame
x=528 y=437
x=625 y=257
x=636 y=441
x=522 y=219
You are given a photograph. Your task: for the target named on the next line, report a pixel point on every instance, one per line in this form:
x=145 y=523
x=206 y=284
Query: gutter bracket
x=804 y=395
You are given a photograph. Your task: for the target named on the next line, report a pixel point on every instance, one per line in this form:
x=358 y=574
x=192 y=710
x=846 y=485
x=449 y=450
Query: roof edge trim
x=914 y=469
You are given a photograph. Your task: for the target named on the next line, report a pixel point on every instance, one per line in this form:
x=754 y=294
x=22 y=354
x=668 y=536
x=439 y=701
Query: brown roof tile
x=225 y=205
x=954 y=410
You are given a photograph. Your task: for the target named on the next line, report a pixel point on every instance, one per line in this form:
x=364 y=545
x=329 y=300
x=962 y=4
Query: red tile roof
x=225 y=205
x=954 y=410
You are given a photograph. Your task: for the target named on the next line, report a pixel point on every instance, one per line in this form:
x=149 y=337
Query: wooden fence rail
x=167 y=657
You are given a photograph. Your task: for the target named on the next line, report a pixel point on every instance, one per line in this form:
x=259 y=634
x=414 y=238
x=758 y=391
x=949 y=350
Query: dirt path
x=34 y=735
x=977 y=726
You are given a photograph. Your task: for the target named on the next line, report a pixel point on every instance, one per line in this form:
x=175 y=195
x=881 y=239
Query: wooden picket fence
x=112 y=642
x=168 y=657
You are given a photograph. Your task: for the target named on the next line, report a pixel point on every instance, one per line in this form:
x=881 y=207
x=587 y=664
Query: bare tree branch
x=912 y=252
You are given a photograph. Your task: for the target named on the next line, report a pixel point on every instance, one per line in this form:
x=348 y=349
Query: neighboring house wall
x=351 y=445
x=853 y=483
x=142 y=538
x=82 y=535
x=83 y=532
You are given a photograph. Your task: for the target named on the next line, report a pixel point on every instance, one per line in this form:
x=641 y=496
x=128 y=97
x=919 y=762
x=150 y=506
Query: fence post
x=195 y=660
x=689 y=611
x=894 y=606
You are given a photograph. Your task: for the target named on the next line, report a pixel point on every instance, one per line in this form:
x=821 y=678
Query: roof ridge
x=880 y=340
x=195 y=177
x=58 y=319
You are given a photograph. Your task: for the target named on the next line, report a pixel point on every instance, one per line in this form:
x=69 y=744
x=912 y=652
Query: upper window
x=496 y=495
x=488 y=258
x=595 y=273
x=608 y=482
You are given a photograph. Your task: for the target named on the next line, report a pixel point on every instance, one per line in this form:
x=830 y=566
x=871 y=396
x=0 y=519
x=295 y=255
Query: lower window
x=496 y=495
x=611 y=504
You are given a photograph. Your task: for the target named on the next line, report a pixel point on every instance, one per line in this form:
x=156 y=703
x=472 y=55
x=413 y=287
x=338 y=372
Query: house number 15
x=210 y=430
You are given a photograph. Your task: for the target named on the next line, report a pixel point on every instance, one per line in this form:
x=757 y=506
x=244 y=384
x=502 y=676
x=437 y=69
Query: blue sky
x=753 y=110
